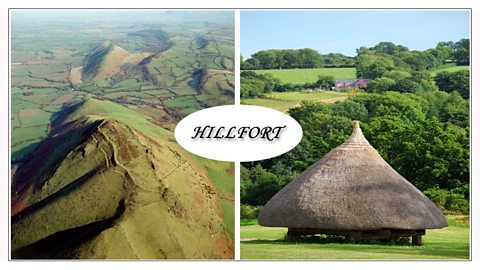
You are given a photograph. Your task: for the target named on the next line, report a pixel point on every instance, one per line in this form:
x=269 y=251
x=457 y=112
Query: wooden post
x=356 y=236
x=417 y=240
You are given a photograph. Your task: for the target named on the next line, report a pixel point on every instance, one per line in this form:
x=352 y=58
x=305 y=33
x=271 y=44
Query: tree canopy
x=288 y=59
x=454 y=81
x=425 y=137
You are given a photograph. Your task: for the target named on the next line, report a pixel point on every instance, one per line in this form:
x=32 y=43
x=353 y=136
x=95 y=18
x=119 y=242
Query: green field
x=283 y=101
x=48 y=58
x=261 y=243
x=300 y=76
x=450 y=68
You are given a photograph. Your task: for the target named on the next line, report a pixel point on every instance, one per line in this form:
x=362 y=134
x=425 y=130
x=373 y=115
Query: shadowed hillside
x=105 y=60
x=98 y=187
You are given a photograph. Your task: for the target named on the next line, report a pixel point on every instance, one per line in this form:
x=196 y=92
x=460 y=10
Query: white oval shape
x=277 y=133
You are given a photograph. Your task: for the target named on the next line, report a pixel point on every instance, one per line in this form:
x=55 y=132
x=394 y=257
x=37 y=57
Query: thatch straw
x=351 y=188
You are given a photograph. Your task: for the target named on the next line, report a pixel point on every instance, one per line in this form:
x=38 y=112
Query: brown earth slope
x=104 y=61
x=101 y=189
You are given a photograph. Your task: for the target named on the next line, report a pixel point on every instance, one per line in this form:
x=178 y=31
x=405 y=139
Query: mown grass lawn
x=264 y=243
x=300 y=76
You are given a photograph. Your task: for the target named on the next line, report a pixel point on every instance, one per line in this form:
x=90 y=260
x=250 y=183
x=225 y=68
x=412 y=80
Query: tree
x=461 y=53
x=258 y=186
x=420 y=61
x=442 y=52
x=251 y=87
x=266 y=59
x=245 y=65
x=390 y=48
x=273 y=59
x=432 y=152
x=407 y=86
x=325 y=81
x=372 y=66
x=455 y=110
x=338 y=60
x=454 y=81
x=253 y=84
x=427 y=152
x=310 y=58
x=397 y=75
x=381 y=84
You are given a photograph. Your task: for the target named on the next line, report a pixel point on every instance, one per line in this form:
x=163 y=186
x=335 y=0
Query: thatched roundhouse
x=352 y=191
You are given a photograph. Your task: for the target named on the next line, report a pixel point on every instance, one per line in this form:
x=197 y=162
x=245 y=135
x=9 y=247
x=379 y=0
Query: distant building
x=351 y=83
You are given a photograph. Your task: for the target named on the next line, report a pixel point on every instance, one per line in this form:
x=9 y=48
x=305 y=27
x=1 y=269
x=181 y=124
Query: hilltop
x=106 y=183
x=106 y=60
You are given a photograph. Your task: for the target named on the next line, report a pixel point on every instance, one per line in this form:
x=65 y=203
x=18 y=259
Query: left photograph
x=96 y=172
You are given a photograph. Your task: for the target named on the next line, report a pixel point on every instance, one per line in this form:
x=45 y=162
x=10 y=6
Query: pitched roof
x=351 y=188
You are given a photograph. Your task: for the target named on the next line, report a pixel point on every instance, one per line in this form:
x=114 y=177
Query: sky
x=343 y=31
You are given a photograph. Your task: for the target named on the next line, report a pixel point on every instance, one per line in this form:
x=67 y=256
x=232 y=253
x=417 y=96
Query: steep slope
x=100 y=188
x=155 y=40
x=106 y=60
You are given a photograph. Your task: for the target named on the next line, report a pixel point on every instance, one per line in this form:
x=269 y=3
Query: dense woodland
x=418 y=123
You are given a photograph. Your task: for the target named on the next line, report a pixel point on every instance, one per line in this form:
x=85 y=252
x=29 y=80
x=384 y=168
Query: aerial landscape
x=96 y=171
x=408 y=87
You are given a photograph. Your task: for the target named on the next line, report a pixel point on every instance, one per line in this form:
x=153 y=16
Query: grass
x=28 y=133
x=300 y=76
x=185 y=101
x=25 y=148
x=130 y=84
x=110 y=110
x=450 y=243
x=448 y=68
x=279 y=105
x=305 y=96
x=173 y=67
x=228 y=209
x=283 y=101
x=19 y=104
x=35 y=117
x=142 y=95
x=221 y=174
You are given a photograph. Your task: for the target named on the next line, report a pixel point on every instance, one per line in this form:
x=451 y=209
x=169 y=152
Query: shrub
x=249 y=211
x=339 y=239
x=448 y=200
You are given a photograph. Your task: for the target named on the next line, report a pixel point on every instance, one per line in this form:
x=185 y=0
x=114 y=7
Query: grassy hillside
x=106 y=60
x=263 y=243
x=95 y=108
x=221 y=173
x=300 y=76
x=119 y=187
x=283 y=101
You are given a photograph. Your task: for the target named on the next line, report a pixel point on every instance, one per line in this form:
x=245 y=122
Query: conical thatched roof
x=351 y=188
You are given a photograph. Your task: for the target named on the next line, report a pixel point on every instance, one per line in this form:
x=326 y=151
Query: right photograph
x=383 y=169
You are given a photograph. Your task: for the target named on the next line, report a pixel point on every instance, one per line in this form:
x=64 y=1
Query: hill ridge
x=103 y=61
x=169 y=206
